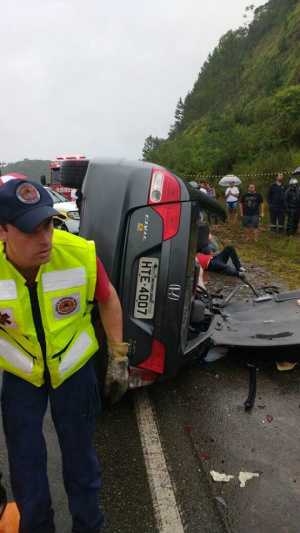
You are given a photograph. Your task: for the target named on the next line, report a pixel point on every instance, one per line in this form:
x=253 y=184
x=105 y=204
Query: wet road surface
x=202 y=426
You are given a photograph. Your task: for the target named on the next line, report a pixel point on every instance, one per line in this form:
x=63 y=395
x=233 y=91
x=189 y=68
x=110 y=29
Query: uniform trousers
x=293 y=220
x=74 y=405
x=277 y=216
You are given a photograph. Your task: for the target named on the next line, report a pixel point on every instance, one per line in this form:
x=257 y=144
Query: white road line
x=163 y=497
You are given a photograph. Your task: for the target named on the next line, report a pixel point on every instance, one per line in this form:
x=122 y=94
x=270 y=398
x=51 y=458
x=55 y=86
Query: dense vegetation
x=31 y=168
x=243 y=115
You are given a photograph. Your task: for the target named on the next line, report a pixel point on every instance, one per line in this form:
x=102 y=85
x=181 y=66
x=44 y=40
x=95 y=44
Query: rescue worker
x=292 y=206
x=48 y=281
x=275 y=198
x=206 y=243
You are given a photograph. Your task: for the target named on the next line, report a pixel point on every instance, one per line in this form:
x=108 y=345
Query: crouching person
x=49 y=279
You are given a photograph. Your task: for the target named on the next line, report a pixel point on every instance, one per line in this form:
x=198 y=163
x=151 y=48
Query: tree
x=179 y=117
x=150 y=146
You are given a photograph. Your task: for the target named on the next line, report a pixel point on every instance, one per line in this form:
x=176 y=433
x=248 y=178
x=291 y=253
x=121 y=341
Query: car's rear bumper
x=167 y=330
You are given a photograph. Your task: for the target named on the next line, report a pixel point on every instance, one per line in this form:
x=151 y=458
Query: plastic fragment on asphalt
x=298 y=302
x=269 y=418
x=220 y=500
x=285 y=366
x=245 y=476
x=220 y=477
x=215 y=353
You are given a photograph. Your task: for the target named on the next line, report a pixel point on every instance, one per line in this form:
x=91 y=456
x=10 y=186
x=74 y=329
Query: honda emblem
x=174 y=292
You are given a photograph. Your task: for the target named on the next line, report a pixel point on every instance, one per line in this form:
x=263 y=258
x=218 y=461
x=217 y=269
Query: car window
x=57 y=196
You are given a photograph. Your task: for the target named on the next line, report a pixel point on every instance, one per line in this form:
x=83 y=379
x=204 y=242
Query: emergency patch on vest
x=7 y=318
x=28 y=193
x=65 y=306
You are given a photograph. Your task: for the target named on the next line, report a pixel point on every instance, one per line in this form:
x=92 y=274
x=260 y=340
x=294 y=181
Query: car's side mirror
x=43 y=180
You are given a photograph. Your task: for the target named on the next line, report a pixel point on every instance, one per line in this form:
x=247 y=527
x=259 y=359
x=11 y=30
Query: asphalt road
x=202 y=426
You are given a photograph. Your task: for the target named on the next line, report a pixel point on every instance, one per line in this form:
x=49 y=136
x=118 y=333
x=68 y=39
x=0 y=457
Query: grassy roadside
x=277 y=253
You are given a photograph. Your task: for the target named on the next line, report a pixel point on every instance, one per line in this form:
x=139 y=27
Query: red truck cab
x=55 y=182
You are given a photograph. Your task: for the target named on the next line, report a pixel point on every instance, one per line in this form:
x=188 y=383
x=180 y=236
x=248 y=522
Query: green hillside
x=243 y=114
x=31 y=168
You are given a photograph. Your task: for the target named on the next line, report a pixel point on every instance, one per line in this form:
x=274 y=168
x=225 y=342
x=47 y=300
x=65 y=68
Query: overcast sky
x=96 y=77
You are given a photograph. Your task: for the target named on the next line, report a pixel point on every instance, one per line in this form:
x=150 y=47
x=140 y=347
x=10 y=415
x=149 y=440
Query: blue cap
x=25 y=204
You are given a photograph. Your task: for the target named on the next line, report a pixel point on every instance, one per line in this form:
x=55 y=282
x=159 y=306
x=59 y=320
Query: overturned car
x=144 y=220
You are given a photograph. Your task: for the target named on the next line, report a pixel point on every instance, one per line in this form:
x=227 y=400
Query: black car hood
x=261 y=322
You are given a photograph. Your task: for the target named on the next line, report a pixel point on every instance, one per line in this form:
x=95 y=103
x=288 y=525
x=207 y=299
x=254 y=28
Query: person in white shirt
x=231 y=195
x=73 y=195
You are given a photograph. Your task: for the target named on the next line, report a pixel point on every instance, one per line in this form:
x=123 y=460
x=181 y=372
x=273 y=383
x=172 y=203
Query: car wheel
x=72 y=172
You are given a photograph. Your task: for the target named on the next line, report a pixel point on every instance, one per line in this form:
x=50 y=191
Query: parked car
x=144 y=220
x=60 y=202
x=67 y=208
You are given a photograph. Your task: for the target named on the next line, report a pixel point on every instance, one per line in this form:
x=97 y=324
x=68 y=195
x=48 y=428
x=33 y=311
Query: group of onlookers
x=282 y=200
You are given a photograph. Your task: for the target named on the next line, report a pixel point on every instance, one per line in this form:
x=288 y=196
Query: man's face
x=28 y=250
x=231 y=184
x=251 y=188
x=280 y=177
x=202 y=184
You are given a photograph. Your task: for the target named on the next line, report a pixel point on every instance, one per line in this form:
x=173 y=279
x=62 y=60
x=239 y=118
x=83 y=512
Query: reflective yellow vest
x=51 y=321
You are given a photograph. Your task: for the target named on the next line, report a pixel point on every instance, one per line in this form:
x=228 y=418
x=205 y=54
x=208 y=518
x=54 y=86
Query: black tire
x=72 y=172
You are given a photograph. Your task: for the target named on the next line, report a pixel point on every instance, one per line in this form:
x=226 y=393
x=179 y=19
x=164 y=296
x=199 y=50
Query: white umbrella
x=225 y=182
x=296 y=172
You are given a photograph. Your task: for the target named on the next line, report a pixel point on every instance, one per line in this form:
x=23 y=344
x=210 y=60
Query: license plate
x=146 y=288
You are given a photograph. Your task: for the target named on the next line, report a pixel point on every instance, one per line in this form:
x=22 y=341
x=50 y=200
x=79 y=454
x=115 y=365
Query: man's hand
x=116 y=379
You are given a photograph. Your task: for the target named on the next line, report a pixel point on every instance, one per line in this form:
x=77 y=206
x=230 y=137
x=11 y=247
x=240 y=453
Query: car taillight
x=165 y=191
x=164 y=187
x=139 y=377
x=156 y=359
x=170 y=213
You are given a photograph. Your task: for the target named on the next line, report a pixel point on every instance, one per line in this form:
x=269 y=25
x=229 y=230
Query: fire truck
x=54 y=181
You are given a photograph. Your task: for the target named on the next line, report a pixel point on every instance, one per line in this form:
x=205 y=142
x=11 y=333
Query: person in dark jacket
x=206 y=243
x=292 y=206
x=275 y=199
